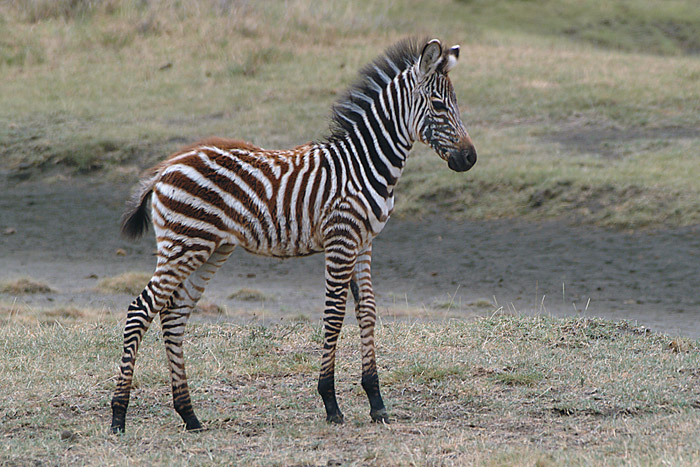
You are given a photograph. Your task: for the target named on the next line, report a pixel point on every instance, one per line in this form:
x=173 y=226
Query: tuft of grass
x=482 y=303
x=255 y=59
x=24 y=286
x=519 y=378
x=250 y=295
x=131 y=283
x=207 y=307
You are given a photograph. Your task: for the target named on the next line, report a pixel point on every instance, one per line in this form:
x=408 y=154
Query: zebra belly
x=274 y=246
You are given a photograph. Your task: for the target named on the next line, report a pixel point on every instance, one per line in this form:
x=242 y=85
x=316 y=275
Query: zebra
x=333 y=196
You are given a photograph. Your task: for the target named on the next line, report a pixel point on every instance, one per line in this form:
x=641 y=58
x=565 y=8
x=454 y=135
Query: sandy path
x=67 y=235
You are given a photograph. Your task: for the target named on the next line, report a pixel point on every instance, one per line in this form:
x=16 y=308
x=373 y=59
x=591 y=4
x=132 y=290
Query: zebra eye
x=438 y=104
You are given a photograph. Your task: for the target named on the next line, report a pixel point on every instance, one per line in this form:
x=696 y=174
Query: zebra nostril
x=462 y=160
x=471 y=155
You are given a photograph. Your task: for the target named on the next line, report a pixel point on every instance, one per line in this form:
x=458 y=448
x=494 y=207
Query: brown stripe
x=193 y=212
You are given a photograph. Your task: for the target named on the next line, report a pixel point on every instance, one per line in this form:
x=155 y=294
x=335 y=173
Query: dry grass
x=210 y=308
x=499 y=391
x=250 y=295
x=65 y=314
x=131 y=283
x=23 y=286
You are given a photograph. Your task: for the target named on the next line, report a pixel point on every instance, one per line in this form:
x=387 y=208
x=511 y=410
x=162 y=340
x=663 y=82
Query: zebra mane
x=372 y=79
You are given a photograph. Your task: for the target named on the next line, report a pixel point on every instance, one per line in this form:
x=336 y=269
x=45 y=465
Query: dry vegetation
x=498 y=391
x=250 y=295
x=131 y=283
x=583 y=110
x=24 y=285
x=13 y=313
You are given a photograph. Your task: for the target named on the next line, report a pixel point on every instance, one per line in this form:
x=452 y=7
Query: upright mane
x=372 y=79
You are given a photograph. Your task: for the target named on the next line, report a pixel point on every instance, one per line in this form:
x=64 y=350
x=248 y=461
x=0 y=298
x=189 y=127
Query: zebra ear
x=430 y=57
x=452 y=57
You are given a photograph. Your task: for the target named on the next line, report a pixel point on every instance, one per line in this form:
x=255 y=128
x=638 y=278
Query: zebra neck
x=372 y=164
x=376 y=143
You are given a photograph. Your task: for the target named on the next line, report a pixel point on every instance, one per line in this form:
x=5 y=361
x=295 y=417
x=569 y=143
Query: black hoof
x=336 y=418
x=193 y=425
x=118 y=423
x=380 y=416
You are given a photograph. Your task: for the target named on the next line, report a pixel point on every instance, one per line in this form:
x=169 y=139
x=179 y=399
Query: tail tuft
x=136 y=218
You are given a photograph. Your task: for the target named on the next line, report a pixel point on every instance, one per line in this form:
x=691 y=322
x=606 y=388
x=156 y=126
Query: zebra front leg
x=339 y=266
x=139 y=317
x=365 y=311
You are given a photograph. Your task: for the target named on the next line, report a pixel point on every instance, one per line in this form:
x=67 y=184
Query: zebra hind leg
x=173 y=320
x=154 y=297
x=139 y=317
x=365 y=311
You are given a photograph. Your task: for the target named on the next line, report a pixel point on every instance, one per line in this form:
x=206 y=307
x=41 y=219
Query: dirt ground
x=67 y=234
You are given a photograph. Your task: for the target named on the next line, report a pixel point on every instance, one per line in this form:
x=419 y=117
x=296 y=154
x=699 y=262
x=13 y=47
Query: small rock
x=9 y=231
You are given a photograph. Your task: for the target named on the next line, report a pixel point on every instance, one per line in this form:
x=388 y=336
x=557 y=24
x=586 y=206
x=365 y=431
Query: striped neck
x=376 y=134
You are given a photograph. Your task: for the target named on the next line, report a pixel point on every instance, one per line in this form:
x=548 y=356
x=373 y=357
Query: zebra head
x=438 y=123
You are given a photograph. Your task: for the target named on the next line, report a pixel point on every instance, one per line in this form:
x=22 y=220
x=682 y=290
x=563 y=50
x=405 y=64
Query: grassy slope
x=587 y=110
x=499 y=391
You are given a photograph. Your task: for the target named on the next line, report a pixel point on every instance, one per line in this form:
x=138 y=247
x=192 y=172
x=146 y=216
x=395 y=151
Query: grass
x=586 y=111
x=65 y=314
x=24 y=286
x=131 y=283
x=503 y=390
x=250 y=295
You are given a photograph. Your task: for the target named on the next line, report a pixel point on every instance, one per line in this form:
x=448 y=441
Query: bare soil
x=66 y=234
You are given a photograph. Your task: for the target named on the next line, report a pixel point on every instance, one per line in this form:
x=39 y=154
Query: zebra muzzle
x=462 y=160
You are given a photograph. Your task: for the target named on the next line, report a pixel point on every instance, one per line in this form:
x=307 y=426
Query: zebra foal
x=332 y=196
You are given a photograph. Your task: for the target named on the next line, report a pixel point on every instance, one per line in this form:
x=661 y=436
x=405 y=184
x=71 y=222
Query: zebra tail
x=136 y=218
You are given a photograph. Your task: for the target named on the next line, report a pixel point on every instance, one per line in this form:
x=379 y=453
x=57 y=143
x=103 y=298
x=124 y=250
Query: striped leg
x=168 y=276
x=365 y=310
x=339 y=266
x=173 y=320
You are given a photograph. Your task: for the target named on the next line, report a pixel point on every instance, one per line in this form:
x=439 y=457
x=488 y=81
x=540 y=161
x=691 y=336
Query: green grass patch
x=519 y=378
